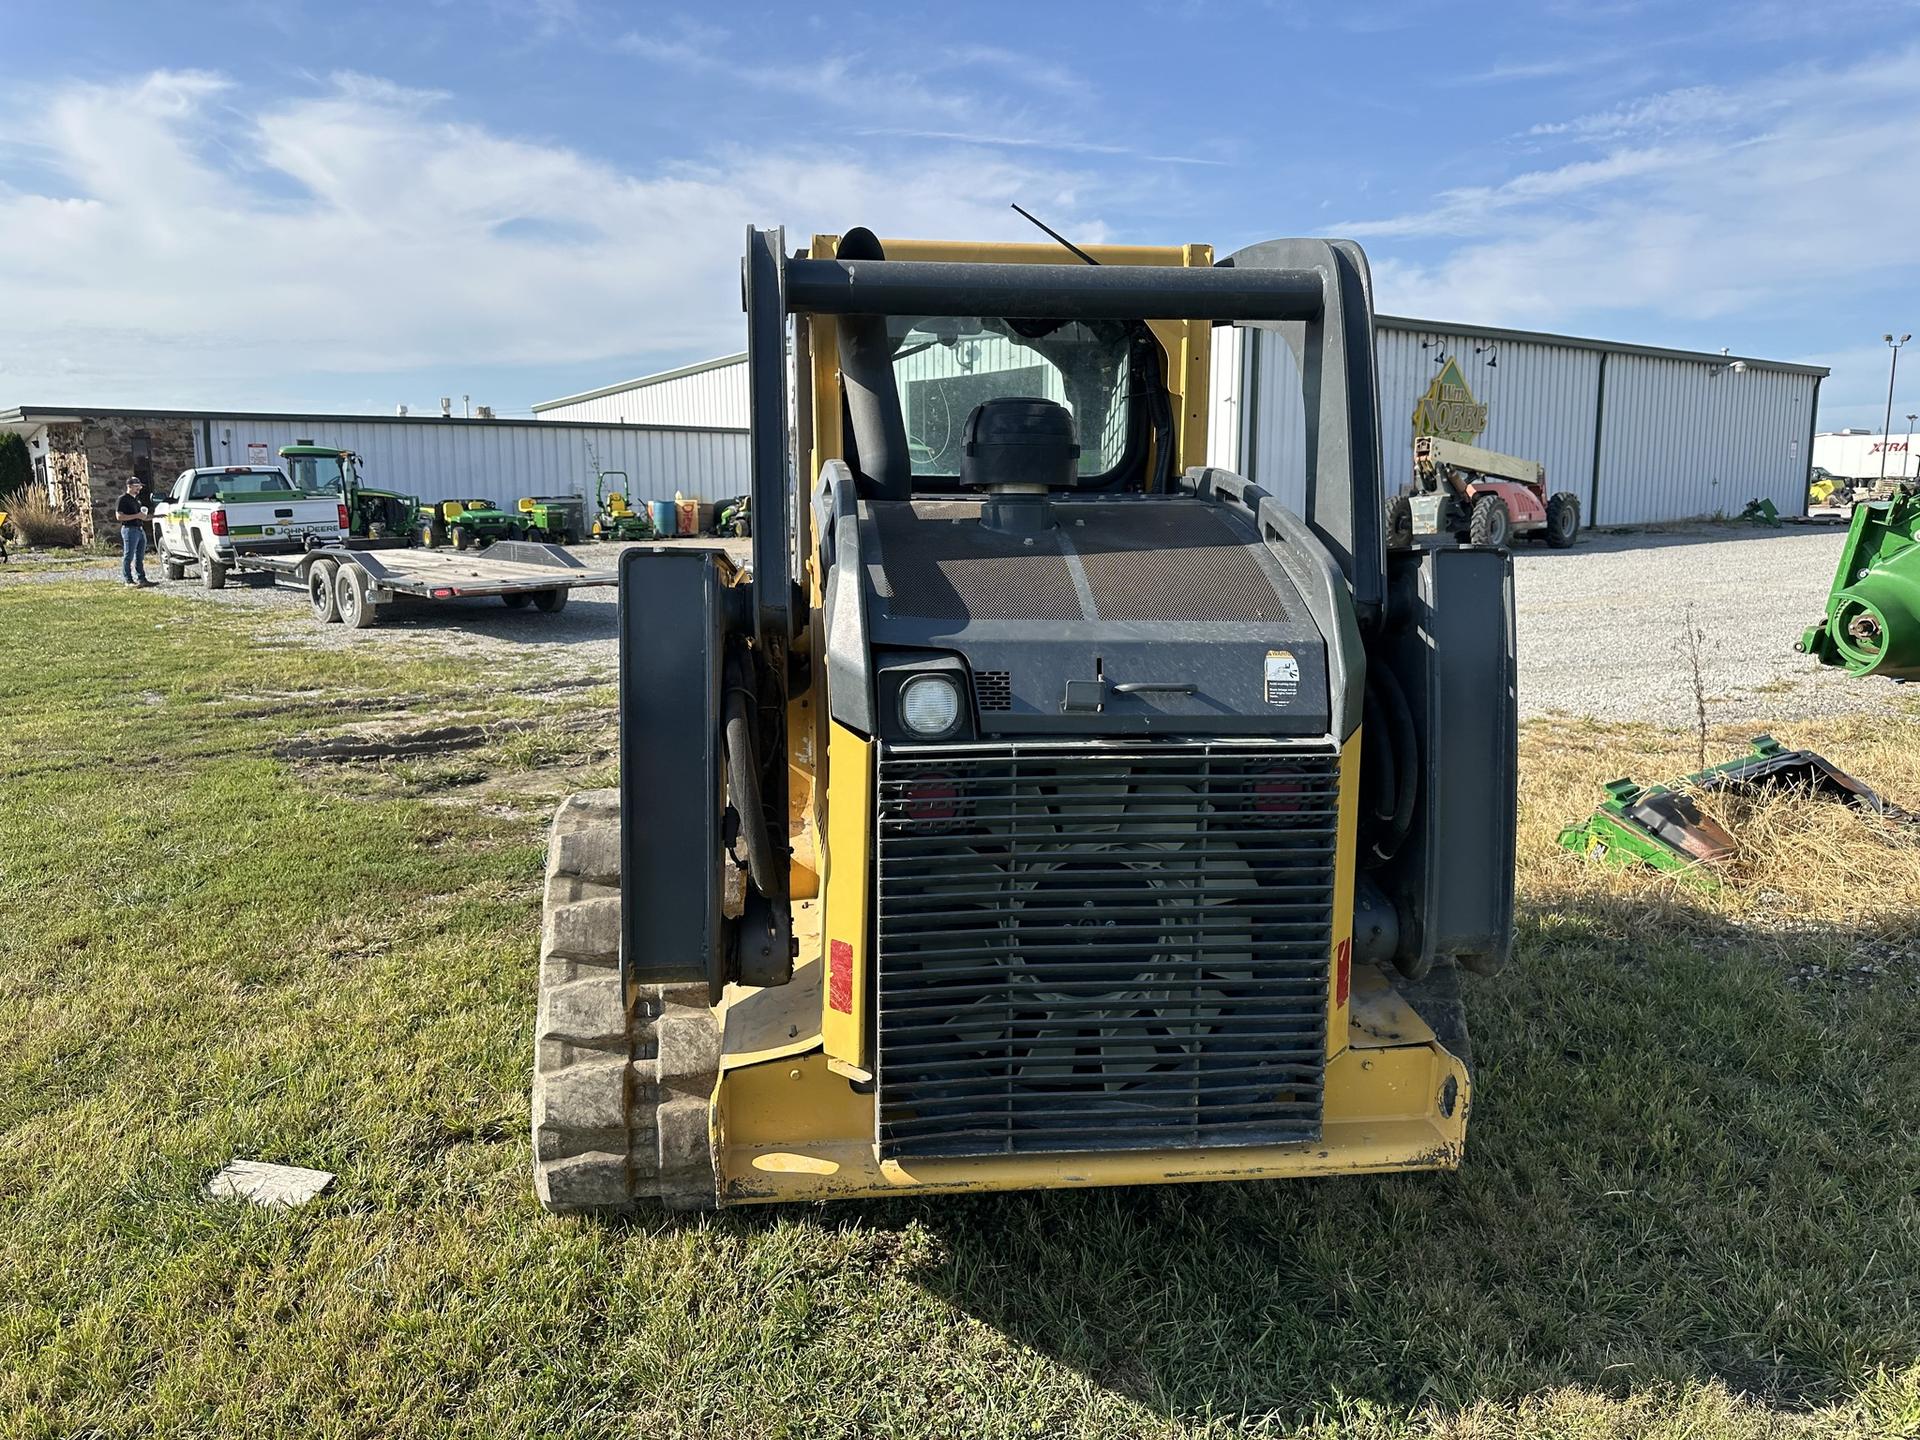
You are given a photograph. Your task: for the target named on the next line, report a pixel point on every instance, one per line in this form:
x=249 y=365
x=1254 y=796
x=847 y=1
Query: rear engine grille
x=1087 y=947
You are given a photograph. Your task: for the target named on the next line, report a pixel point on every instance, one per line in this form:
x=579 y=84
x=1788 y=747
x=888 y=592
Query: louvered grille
x=1090 y=946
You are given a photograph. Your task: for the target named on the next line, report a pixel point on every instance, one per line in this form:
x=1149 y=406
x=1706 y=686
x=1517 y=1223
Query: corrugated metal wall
x=442 y=459
x=712 y=397
x=1678 y=440
x=1226 y=407
x=1539 y=399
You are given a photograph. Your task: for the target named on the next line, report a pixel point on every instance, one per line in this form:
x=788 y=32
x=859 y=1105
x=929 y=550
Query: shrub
x=35 y=520
x=16 y=469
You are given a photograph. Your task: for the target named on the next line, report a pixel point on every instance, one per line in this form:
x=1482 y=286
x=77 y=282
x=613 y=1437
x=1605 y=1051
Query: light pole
x=1910 y=419
x=1886 y=435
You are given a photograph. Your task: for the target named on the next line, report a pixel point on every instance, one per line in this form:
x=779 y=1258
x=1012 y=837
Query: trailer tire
x=515 y=599
x=350 y=594
x=623 y=1074
x=1490 y=526
x=323 y=591
x=1563 y=520
x=550 y=602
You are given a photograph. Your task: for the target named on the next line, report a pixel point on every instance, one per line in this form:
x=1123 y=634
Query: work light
x=929 y=705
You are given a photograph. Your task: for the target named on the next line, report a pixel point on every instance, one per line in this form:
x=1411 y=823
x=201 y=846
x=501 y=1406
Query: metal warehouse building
x=1640 y=434
x=83 y=455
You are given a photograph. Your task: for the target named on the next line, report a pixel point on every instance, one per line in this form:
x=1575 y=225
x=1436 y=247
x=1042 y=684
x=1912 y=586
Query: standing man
x=133 y=509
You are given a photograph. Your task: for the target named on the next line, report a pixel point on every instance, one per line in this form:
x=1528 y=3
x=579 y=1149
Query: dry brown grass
x=38 y=522
x=1805 y=866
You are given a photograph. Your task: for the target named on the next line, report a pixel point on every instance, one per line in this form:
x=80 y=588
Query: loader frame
x=783 y=1050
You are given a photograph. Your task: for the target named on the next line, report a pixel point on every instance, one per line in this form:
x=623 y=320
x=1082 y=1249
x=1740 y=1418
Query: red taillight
x=218 y=522
x=344 y=522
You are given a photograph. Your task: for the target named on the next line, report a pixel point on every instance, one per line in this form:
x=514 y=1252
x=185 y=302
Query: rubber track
x=622 y=1082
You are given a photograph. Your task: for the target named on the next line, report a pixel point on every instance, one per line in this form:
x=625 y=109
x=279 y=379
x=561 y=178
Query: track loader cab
x=1044 y=807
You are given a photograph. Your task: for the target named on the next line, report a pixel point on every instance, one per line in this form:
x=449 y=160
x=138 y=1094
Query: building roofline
x=72 y=414
x=660 y=378
x=1580 y=342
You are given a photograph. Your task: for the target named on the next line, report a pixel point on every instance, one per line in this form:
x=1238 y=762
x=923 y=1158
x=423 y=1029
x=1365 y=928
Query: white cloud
x=1699 y=203
x=188 y=241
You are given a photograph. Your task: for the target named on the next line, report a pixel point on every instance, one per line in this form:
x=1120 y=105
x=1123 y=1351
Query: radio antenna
x=1029 y=216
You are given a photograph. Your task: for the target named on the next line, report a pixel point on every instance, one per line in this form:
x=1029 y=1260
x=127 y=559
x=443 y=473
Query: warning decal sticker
x=1283 y=677
x=840 y=976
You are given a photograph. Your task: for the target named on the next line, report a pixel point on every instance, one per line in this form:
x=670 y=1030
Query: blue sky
x=284 y=204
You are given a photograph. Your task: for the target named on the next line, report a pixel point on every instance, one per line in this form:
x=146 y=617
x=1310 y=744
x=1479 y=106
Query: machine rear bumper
x=1396 y=1099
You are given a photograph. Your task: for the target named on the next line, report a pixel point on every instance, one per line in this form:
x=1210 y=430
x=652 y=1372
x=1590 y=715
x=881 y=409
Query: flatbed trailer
x=350 y=583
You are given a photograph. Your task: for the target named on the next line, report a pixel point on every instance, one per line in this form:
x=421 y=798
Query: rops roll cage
x=1317 y=293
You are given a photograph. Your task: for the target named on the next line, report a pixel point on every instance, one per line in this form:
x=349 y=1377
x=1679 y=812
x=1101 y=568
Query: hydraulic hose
x=1406 y=762
x=743 y=789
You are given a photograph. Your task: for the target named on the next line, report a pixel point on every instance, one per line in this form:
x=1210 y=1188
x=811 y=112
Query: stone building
x=84 y=460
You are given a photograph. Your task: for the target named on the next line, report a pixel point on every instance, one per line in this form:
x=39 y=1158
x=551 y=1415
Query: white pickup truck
x=212 y=516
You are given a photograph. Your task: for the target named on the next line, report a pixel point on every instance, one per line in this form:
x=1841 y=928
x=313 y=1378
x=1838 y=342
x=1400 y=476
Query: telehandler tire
x=623 y=1075
x=1400 y=523
x=1490 y=526
x=1563 y=520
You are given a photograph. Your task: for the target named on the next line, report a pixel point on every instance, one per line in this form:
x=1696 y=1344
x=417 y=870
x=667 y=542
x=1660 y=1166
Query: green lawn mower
x=615 y=520
x=556 y=519
x=735 y=517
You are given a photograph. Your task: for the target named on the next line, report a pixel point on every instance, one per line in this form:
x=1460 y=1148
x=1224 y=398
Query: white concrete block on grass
x=278 y=1187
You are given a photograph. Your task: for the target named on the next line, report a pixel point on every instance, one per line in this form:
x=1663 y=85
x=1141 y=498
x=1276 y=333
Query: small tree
x=16 y=470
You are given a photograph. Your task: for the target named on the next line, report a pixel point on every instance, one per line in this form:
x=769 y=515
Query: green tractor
x=556 y=519
x=372 y=514
x=615 y=519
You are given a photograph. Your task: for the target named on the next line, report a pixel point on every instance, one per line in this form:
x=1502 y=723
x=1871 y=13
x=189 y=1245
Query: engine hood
x=1133 y=615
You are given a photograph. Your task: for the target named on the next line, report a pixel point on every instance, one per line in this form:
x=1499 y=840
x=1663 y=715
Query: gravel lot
x=1602 y=626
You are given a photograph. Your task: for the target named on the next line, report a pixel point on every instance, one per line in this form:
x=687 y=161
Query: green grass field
x=1691 y=1205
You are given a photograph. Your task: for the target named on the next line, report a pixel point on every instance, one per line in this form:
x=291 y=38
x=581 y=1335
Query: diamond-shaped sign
x=1448 y=409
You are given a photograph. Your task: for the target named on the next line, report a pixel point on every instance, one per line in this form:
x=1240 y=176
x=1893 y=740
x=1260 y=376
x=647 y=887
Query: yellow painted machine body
x=794 y=1105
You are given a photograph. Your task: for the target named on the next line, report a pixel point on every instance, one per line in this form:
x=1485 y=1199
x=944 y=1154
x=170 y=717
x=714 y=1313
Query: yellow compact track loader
x=1043 y=807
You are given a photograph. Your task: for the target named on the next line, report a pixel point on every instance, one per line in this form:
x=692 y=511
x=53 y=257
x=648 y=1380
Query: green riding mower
x=735 y=517
x=556 y=519
x=616 y=520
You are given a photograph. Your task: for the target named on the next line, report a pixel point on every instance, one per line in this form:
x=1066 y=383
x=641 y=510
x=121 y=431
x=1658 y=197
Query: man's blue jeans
x=133 y=554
